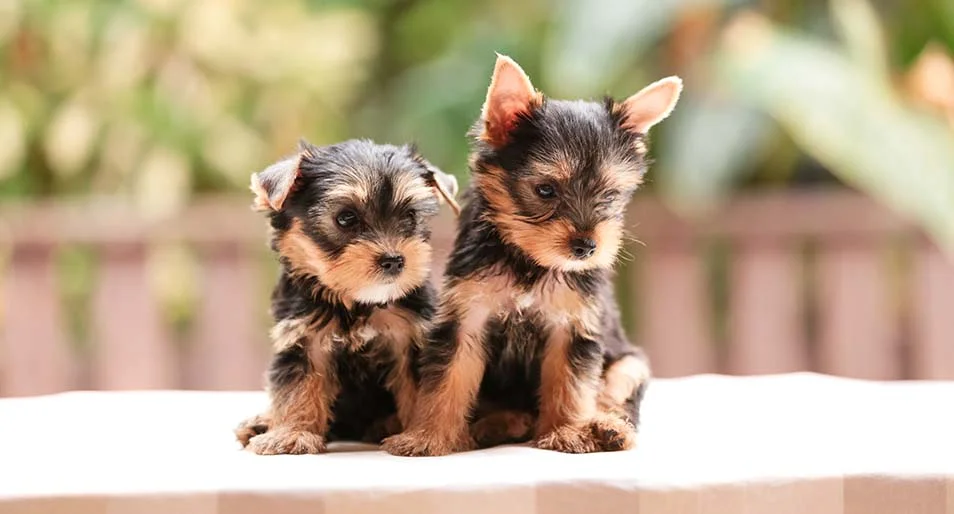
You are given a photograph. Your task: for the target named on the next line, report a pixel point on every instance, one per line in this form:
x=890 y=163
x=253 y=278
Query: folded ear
x=510 y=95
x=445 y=186
x=651 y=105
x=272 y=185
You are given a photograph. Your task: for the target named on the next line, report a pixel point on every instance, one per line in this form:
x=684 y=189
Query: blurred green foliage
x=159 y=100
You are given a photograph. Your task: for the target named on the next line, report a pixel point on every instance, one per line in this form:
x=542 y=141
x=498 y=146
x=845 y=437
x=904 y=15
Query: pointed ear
x=653 y=104
x=510 y=95
x=272 y=185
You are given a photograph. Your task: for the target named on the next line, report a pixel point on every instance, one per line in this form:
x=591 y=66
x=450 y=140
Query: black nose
x=391 y=264
x=582 y=248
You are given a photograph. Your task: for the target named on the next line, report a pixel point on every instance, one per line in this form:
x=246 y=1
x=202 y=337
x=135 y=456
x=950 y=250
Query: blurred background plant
x=163 y=99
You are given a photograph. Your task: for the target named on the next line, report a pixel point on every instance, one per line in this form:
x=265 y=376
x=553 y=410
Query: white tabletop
x=799 y=443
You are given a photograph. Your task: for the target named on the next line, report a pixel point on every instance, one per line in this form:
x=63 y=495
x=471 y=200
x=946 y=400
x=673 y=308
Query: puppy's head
x=355 y=216
x=557 y=174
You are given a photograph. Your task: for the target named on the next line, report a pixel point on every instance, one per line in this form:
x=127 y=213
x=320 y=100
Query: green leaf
x=709 y=142
x=858 y=24
x=850 y=122
x=595 y=39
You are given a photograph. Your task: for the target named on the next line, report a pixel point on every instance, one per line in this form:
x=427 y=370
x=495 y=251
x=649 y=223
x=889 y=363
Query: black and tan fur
x=527 y=340
x=349 y=223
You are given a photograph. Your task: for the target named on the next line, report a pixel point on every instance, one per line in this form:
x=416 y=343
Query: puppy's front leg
x=302 y=386
x=403 y=386
x=452 y=366
x=569 y=383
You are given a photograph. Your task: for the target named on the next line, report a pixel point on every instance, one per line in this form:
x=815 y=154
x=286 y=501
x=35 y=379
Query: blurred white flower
x=123 y=60
x=14 y=140
x=70 y=136
x=233 y=149
x=163 y=183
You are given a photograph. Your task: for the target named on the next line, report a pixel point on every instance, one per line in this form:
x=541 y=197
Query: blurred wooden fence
x=825 y=281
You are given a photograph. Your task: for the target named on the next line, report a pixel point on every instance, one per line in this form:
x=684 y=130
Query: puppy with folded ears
x=349 y=223
x=527 y=340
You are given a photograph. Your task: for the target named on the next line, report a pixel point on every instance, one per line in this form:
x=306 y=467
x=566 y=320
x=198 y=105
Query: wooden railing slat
x=858 y=328
x=132 y=350
x=37 y=358
x=766 y=327
x=933 y=355
x=676 y=315
x=229 y=350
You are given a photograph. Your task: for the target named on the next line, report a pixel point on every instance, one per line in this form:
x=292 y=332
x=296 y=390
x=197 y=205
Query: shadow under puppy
x=349 y=223
x=527 y=339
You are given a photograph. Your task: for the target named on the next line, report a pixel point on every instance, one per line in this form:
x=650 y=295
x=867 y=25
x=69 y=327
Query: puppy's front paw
x=250 y=428
x=420 y=443
x=569 y=439
x=283 y=441
x=613 y=433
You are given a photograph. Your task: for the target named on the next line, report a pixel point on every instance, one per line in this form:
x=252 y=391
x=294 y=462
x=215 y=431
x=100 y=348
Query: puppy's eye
x=346 y=218
x=545 y=191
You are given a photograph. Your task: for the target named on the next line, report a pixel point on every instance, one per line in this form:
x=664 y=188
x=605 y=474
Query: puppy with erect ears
x=350 y=225
x=527 y=341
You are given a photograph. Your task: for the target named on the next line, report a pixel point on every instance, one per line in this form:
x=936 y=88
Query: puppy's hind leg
x=624 y=383
x=502 y=427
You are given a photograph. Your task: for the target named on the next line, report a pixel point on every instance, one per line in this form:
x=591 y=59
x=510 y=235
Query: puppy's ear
x=510 y=95
x=444 y=185
x=651 y=105
x=272 y=185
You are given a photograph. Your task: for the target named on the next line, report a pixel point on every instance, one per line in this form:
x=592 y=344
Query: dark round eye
x=346 y=218
x=545 y=191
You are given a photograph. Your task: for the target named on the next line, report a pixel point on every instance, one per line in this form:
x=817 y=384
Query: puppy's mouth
x=385 y=291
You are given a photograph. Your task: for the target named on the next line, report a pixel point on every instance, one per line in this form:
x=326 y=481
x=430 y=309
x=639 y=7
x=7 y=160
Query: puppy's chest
x=382 y=329
x=545 y=305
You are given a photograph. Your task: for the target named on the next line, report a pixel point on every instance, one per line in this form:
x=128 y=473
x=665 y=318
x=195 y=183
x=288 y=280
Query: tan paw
x=283 y=441
x=420 y=443
x=569 y=439
x=613 y=433
x=251 y=427
x=502 y=427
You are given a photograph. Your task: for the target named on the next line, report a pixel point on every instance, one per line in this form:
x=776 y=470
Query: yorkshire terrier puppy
x=527 y=323
x=349 y=223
